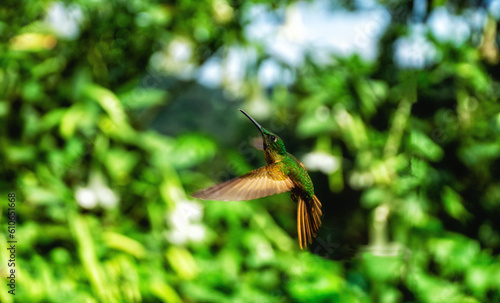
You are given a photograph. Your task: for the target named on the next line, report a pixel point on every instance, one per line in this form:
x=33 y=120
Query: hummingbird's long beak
x=254 y=122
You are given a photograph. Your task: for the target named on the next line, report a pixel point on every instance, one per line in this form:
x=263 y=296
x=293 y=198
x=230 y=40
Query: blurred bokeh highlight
x=113 y=112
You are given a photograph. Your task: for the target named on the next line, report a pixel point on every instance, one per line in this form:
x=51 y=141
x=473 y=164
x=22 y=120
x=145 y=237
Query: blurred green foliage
x=409 y=162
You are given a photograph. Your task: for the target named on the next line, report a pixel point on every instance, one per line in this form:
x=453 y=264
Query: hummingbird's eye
x=272 y=138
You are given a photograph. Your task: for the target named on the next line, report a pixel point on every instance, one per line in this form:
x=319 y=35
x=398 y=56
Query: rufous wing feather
x=258 y=183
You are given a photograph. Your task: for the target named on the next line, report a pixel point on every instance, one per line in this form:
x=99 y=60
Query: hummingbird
x=282 y=173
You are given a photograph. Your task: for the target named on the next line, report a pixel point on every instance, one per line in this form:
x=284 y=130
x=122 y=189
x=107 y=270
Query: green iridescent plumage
x=282 y=173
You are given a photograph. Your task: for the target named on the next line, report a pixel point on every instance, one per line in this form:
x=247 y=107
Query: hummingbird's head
x=271 y=142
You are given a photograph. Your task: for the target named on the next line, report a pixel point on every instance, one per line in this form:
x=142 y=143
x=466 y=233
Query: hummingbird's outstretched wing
x=265 y=181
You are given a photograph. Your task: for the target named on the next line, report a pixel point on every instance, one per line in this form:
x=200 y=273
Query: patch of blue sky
x=494 y=8
x=323 y=32
x=305 y=28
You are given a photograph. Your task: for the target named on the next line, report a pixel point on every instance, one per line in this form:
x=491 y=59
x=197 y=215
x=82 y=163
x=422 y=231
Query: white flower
x=97 y=192
x=184 y=220
x=86 y=197
x=176 y=58
x=106 y=196
x=322 y=161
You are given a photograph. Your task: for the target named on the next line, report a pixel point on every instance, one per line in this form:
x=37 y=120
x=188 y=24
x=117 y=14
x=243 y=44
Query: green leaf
x=425 y=147
x=453 y=204
x=138 y=98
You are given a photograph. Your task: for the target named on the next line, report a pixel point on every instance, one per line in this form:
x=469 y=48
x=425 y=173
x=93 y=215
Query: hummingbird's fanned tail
x=317 y=207
x=308 y=219
x=258 y=183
